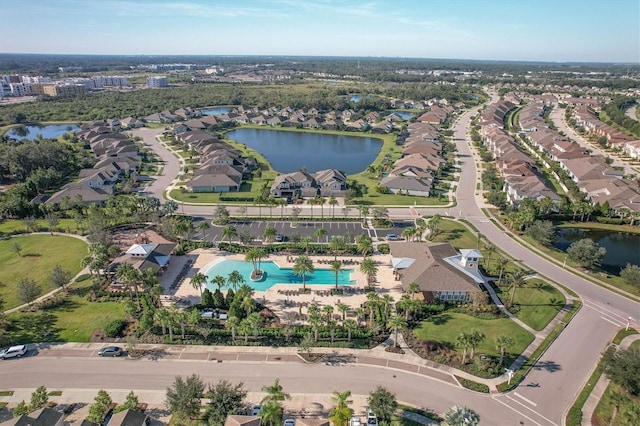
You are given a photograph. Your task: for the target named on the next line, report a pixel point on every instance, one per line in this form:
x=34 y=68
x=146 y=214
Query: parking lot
x=349 y=230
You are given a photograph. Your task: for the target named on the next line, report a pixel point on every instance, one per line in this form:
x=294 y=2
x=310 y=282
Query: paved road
x=85 y=373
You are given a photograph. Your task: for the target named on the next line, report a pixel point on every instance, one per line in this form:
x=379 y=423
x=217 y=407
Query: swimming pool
x=275 y=275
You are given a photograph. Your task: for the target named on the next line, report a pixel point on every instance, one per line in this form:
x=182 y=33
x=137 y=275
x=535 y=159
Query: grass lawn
x=457 y=234
x=39 y=254
x=74 y=320
x=446 y=327
x=539 y=302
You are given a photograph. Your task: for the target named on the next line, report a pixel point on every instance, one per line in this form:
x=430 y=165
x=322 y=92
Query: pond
x=622 y=247
x=290 y=151
x=215 y=110
x=50 y=131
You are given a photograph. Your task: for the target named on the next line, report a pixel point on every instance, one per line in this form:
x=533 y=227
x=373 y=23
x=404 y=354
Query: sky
x=521 y=30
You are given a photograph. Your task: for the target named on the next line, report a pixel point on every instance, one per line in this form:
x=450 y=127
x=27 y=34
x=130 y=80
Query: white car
x=289 y=422
x=393 y=237
x=13 y=352
x=355 y=421
x=371 y=418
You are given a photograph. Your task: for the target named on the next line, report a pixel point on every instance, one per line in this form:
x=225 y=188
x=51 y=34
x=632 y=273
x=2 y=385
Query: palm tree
x=255 y=320
x=232 y=324
x=336 y=244
x=181 y=317
x=219 y=281
x=274 y=393
x=229 y=232
x=412 y=289
x=403 y=305
x=247 y=304
x=328 y=311
x=234 y=279
x=314 y=317
x=320 y=233
x=408 y=233
x=198 y=281
x=516 y=279
x=349 y=325
x=359 y=314
x=271 y=414
x=490 y=249
x=502 y=343
x=336 y=268
x=269 y=234
x=386 y=301
x=312 y=202
x=476 y=337
x=341 y=413
x=203 y=226
x=333 y=203
x=372 y=303
x=343 y=308
x=434 y=224
x=245 y=328
x=364 y=244
x=254 y=255
x=369 y=268
x=302 y=266
x=395 y=323
x=320 y=201
x=502 y=264
x=130 y=276
x=305 y=242
x=461 y=416
x=161 y=316
x=464 y=341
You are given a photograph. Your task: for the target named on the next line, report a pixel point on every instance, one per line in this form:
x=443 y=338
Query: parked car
x=13 y=352
x=280 y=238
x=372 y=420
x=355 y=421
x=255 y=410
x=393 y=237
x=110 y=351
x=289 y=422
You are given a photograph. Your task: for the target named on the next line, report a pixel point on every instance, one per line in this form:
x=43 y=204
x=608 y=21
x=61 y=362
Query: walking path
x=598 y=391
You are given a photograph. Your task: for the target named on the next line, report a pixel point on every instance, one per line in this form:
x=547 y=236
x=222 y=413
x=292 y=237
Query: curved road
x=565 y=366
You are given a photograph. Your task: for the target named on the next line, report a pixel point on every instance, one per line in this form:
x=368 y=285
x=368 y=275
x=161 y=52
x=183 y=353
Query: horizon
x=571 y=31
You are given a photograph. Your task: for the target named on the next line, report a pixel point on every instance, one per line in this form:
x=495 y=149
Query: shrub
x=114 y=328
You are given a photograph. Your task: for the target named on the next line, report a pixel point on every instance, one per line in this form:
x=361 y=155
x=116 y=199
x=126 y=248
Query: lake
x=50 y=131
x=290 y=151
x=215 y=110
x=622 y=247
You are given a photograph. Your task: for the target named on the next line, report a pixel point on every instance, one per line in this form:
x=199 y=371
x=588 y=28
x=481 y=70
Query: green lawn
x=446 y=327
x=539 y=302
x=39 y=254
x=14 y=226
x=457 y=234
x=72 y=321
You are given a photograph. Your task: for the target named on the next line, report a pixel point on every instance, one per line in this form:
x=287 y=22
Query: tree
x=343 y=308
x=586 y=253
x=39 y=398
x=234 y=279
x=183 y=397
x=219 y=281
x=314 y=317
x=254 y=255
x=306 y=343
x=130 y=403
x=302 y=266
x=503 y=342
x=349 y=325
x=489 y=249
x=101 y=405
x=21 y=409
x=274 y=393
x=341 y=413
x=461 y=416
x=631 y=274
x=269 y=234
x=475 y=338
x=333 y=203
x=225 y=399
x=543 y=232
x=203 y=225
x=59 y=277
x=370 y=269
x=502 y=265
x=434 y=224
x=412 y=289
x=130 y=277
x=336 y=268
x=336 y=244
x=220 y=215
x=622 y=367
x=198 y=281
x=463 y=341
x=271 y=414
x=232 y=324
x=383 y=403
x=229 y=232
x=28 y=290
x=395 y=323
x=320 y=233
x=516 y=280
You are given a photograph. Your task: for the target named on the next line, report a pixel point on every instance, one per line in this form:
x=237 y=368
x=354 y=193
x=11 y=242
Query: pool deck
x=284 y=304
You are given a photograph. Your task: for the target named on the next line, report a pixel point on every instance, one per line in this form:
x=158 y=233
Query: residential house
x=41 y=417
x=237 y=420
x=407 y=185
x=129 y=418
x=154 y=256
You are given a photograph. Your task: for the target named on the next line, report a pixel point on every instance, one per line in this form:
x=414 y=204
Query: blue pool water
x=215 y=110
x=276 y=275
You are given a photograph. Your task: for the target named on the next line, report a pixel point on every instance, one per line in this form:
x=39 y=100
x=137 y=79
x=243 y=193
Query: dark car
x=280 y=238
x=110 y=351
